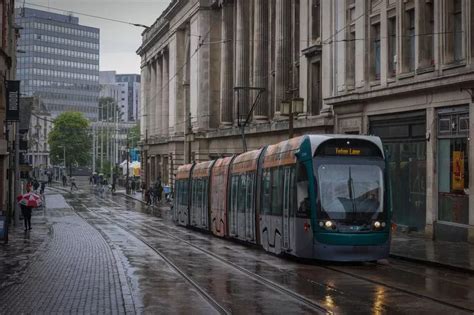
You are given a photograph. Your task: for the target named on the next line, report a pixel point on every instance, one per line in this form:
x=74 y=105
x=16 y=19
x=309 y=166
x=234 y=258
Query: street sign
x=13 y=100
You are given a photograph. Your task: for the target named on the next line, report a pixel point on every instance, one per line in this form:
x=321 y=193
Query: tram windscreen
x=350 y=191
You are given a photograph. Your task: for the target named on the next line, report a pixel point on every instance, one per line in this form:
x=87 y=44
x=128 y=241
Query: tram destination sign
x=13 y=100
x=345 y=147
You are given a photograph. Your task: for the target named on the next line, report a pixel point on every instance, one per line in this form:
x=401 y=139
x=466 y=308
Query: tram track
x=256 y=277
x=263 y=281
x=397 y=288
x=215 y=304
x=334 y=269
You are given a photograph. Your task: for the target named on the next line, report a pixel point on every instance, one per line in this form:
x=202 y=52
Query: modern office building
x=124 y=89
x=132 y=82
x=58 y=61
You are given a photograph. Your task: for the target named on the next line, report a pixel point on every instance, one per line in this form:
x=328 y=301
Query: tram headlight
x=383 y=224
x=328 y=224
x=377 y=224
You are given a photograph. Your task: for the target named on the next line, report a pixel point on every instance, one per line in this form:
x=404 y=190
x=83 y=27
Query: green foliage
x=70 y=131
x=134 y=135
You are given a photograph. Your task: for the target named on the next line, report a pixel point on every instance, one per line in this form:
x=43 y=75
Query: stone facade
x=209 y=66
x=404 y=70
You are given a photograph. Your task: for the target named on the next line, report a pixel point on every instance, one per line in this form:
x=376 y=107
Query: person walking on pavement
x=35 y=184
x=159 y=192
x=64 y=180
x=42 y=187
x=26 y=212
x=73 y=184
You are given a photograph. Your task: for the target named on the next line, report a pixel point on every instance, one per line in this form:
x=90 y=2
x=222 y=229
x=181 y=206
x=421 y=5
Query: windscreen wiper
x=350 y=186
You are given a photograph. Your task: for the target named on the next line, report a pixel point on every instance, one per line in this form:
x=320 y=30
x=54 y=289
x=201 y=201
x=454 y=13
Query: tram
x=324 y=197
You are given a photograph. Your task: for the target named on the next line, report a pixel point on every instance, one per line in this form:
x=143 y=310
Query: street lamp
x=289 y=109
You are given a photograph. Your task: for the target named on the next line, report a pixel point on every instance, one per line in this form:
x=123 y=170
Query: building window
x=453 y=157
x=454 y=32
x=350 y=45
x=426 y=55
x=375 y=51
x=315 y=19
x=408 y=47
x=392 y=45
x=315 y=88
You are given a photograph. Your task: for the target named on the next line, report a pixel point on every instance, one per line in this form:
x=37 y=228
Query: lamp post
x=290 y=108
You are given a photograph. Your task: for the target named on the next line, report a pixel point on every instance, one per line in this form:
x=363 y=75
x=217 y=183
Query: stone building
x=8 y=38
x=404 y=70
x=209 y=65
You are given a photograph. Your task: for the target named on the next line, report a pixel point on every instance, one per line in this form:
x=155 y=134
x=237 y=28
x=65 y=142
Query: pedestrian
x=90 y=180
x=35 y=184
x=28 y=186
x=42 y=187
x=132 y=186
x=50 y=179
x=159 y=192
x=73 y=184
x=148 y=196
x=26 y=212
x=64 y=180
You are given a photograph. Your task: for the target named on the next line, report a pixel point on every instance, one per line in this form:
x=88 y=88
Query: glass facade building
x=133 y=90
x=58 y=61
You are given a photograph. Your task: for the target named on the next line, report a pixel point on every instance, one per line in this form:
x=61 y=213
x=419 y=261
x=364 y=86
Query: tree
x=134 y=135
x=70 y=135
x=107 y=108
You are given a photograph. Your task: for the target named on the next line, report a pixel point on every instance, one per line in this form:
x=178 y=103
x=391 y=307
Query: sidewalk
x=455 y=255
x=63 y=265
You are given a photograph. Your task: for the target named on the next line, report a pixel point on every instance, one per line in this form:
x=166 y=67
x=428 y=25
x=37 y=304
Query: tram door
x=249 y=208
x=287 y=179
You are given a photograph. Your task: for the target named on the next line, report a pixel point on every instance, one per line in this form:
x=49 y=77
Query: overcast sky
x=118 y=42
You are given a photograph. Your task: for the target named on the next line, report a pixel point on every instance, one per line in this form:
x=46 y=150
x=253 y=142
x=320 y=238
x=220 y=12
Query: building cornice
x=464 y=80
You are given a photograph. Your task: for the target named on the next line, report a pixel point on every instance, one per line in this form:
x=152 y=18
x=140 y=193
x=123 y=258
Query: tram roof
x=183 y=171
x=282 y=153
x=202 y=169
x=221 y=166
x=246 y=162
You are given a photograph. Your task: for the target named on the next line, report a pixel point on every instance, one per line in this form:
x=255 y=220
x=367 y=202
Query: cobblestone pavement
x=75 y=271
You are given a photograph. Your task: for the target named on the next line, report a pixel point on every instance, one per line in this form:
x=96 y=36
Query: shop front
x=404 y=139
x=453 y=173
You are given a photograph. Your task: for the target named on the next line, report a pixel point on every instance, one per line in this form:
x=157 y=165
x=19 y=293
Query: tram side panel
x=183 y=189
x=219 y=197
x=242 y=210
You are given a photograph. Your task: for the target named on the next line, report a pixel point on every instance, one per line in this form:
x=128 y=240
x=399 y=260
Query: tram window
x=266 y=200
x=277 y=192
x=249 y=197
x=242 y=193
x=302 y=203
x=292 y=196
x=184 y=193
x=234 y=192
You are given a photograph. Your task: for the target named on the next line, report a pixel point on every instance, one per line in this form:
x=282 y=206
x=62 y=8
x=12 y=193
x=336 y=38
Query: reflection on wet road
x=172 y=269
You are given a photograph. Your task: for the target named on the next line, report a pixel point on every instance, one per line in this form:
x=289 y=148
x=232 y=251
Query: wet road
x=172 y=269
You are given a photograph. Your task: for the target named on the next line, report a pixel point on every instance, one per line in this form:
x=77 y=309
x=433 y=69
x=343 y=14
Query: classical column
x=283 y=51
x=151 y=100
x=227 y=23
x=260 y=56
x=158 y=96
x=165 y=94
x=242 y=58
x=144 y=94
